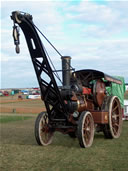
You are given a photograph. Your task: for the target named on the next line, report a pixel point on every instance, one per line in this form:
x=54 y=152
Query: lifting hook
x=16 y=35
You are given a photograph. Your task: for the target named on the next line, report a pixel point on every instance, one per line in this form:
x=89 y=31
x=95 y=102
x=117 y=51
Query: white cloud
x=88 y=11
x=100 y=19
x=94 y=35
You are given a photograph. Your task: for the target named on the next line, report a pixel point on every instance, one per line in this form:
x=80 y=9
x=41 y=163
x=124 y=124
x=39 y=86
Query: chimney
x=66 y=71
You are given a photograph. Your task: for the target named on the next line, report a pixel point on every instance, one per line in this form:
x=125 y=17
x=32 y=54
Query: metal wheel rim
x=45 y=133
x=87 y=130
x=115 y=117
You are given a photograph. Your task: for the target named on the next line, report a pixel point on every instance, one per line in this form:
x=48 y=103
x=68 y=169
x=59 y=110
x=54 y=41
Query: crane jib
x=49 y=90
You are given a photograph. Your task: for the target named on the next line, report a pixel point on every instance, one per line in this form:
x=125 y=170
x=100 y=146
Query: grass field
x=20 y=152
x=6 y=119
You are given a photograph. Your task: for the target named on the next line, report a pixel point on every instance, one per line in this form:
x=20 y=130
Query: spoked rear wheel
x=113 y=129
x=43 y=133
x=85 y=129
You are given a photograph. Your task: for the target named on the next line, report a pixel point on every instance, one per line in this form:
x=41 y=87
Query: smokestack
x=66 y=71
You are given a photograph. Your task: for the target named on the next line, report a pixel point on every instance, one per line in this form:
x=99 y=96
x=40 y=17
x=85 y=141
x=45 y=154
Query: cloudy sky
x=93 y=33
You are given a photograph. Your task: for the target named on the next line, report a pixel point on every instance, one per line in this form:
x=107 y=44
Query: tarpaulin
x=117 y=90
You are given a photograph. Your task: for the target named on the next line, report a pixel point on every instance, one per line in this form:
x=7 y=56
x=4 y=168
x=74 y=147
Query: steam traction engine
x=81 y=105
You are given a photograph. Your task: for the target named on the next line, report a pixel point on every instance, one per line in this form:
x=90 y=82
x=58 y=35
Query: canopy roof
x=90 y=75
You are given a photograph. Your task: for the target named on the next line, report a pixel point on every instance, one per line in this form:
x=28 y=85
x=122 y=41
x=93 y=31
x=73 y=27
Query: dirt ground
x=12 y=104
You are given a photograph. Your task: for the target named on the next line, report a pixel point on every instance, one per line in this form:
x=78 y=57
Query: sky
x=93 y=33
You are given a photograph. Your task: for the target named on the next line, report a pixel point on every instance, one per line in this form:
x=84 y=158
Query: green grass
x=6 y=119
x=21 y=152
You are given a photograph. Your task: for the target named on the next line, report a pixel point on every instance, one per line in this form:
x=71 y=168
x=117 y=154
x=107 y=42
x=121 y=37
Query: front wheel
x=43 y=133
x=85 y=129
